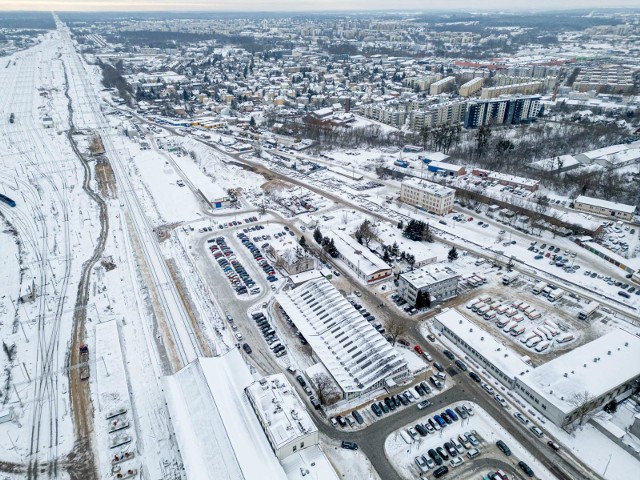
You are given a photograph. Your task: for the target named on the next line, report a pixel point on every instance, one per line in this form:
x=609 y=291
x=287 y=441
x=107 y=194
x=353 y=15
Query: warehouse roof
x=355 y=354
x=217 y=431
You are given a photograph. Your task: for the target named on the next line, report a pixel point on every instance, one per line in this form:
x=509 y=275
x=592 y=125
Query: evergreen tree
x=453 y=254
x=317 y=235
x=303 y=242
x=423 y=299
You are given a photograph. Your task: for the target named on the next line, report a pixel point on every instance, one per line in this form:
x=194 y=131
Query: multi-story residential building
x=471 y=87
x=511 y=110
x=527 y=88
x=441 y=283
x=448 y=113
x=613 y=79
x=428 y=196
x=441 y=85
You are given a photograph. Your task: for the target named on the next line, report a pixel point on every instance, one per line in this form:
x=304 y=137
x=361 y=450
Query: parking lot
x=462 y=437
x=232 y=268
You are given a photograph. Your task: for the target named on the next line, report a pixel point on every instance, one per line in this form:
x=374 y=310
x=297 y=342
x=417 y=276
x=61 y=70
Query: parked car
x=349 y=445
x=526 y=468
x=461 y=365
x=246 y=347
x=449 y=355
x=503 y=446
x=475 y=377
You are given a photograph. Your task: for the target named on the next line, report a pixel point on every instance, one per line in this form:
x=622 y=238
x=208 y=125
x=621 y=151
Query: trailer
x=567 y=337
x=539 y=287
x=557 y=294
x=534 y=341
x=528 y=337
x=588 y=310
x=517 y=330
x=509 y=278
x=542 y=346
x=509 y=326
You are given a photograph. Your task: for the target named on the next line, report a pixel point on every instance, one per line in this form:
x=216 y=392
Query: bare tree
x=396 y=326
x=583 y=405
x=328 y=391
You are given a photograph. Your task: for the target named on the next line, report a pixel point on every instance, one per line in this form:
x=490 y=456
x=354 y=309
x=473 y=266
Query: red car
x=403 y=342
x=418 y=349
x=470 y=219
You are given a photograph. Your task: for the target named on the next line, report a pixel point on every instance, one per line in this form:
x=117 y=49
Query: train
x=7 y=200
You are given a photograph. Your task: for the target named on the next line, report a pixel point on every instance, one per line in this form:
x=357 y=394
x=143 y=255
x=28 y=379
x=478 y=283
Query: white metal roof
x=215 y=426
x=596 y=367
x=355 y=354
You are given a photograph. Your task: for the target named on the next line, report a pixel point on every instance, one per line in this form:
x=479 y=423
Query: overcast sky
x=303 y=5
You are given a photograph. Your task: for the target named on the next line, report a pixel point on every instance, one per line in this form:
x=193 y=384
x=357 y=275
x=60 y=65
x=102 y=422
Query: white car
x=500 y=399
x=521 y=417
x=469 y=410
x=424 y=404
x=488 y=388
x=538 y=433
x=239 y=336
x=474 y=452
x=412 y=431
x=421 y=462
x=456 y=461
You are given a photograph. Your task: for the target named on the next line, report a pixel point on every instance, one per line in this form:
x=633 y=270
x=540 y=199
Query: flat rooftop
x=495 y=352
x=277 y=402
x=596 y=367
x=430 y=187
x=598 y=202
x=429 y=274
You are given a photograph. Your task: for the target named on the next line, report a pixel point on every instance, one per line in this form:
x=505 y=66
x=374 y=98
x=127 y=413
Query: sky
x=302 y=5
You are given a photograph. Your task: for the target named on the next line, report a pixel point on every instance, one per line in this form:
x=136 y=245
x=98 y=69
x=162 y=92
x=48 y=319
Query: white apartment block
x=441 y=85
x=471 y=87
x=428 y=196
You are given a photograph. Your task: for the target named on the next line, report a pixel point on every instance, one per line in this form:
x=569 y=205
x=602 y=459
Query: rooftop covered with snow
x=282 y=411
x=217 y=430
x=355 y=354
x=594 y=368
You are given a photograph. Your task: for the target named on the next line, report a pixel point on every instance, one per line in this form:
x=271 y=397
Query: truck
x=556 y=294
x=588 y=310
x=509 y=278
x=538 y=288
